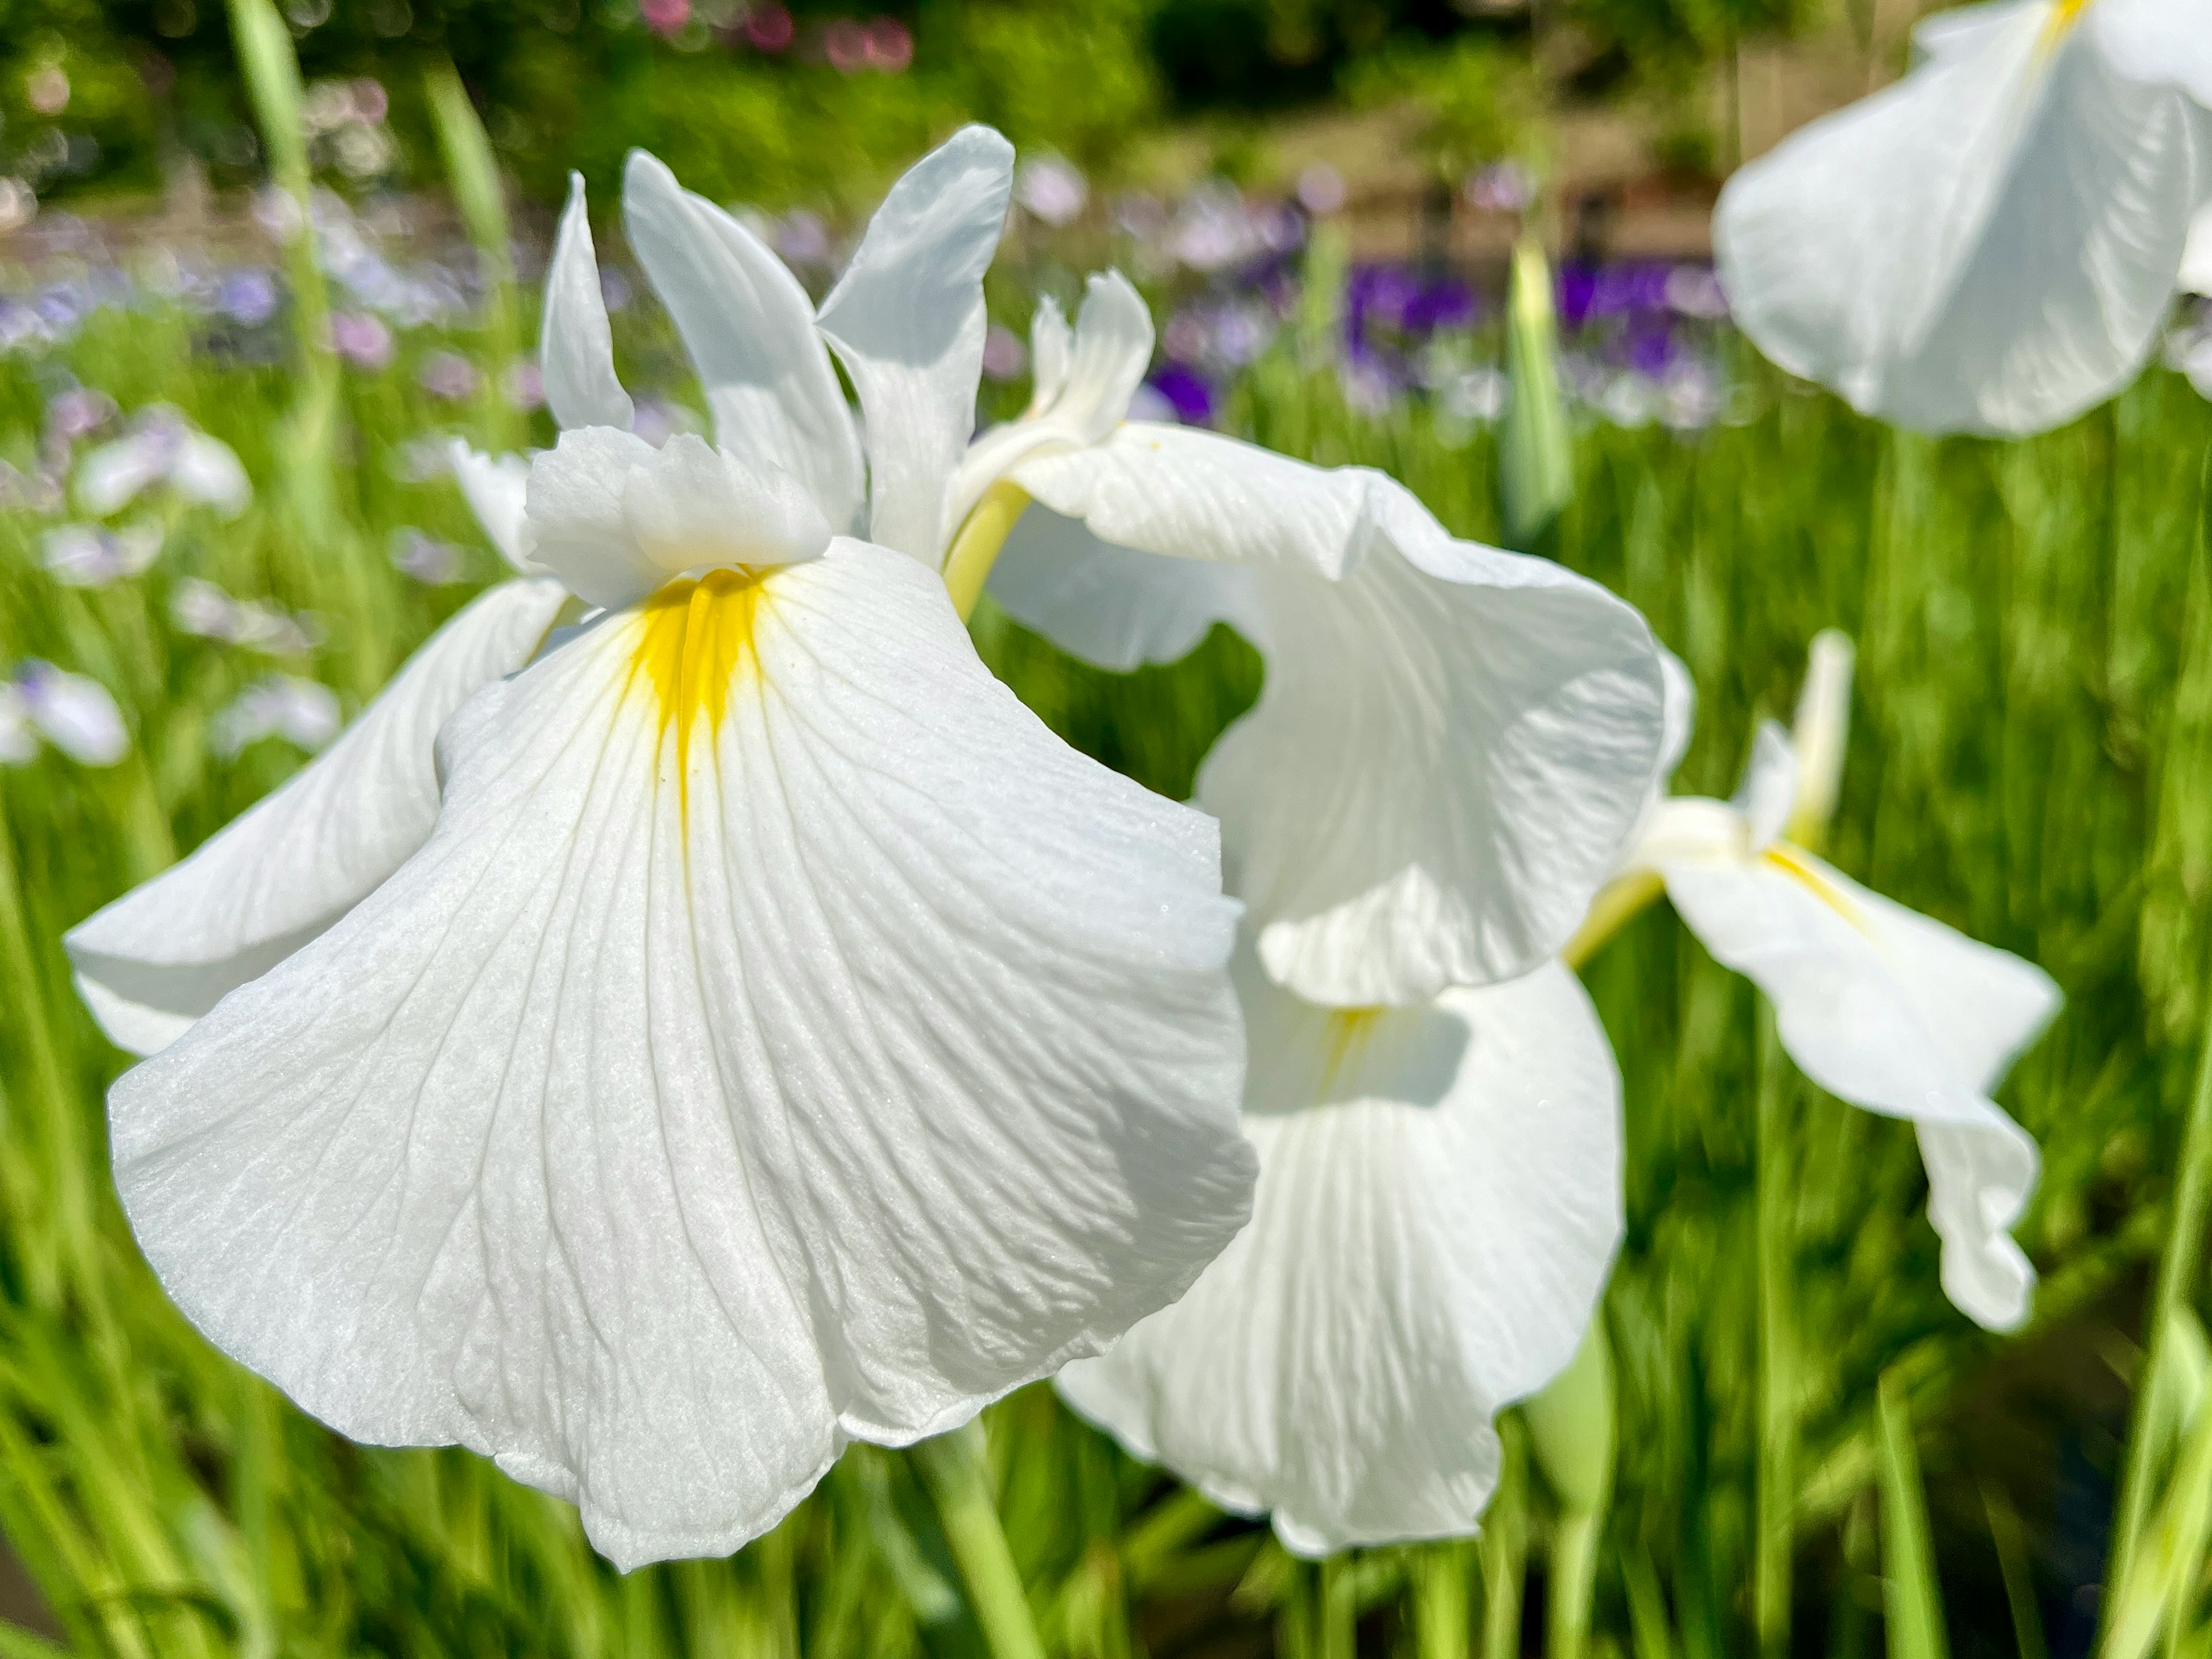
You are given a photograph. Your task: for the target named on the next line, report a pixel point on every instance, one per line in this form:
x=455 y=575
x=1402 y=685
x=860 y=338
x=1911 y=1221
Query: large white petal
x=1988 y=245
x=576 y=353
x=2158 y=42
x=2196 y=262
x=165 y=953
x=907 y=318
x=1450 y=753
x=614 y=517
x=1111 y=606
x=750 y=328
x=1901 y=1015
x=1192 y=495
x=782 y=1037
x=1439 y=1203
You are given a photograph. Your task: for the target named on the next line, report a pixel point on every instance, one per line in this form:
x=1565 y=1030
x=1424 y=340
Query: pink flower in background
x=362 y=340
x=1051 y=189
x=447 y=374
x=1003 y=355
x=769 y=29
x=47 y=91
x=890 y=45
x=846 y=44
x=523 y=385
x=1502 y=187
x=665 y=17
x=1321 y=188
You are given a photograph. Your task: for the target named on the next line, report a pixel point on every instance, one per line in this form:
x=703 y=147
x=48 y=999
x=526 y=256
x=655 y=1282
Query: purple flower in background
x=1695 y=291
x=525 y=386
x=1051 y=189
x=1693 y=395
x=92 y=556
x=802 y=239
x=1650 y=346
x=202 y=608
x=76 y=715
x=447 y=374
x=247 y=297
x=362 y=340
x=78 y=413
x=658 y=420
x=1187 y=394
x=1501 y=187
x=302 y=712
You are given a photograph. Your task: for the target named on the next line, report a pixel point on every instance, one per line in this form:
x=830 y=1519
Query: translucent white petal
x=1110 y=606
x=163 y=955
x=1192 y=495
x=1821 y=730
x=1439 y=1203
x=782 y=1037
x=2158 y=42
x=1901 y=1015
x=577 y=353
x=750 y=329
x=1769 y=789
x=614 y=517
x=1988 y=245
x=1680 y=706
x=907 y=318
x=1450 y=755
x=497 y=489
x=1051 y=343
x=2197 y=261
x=1093 y=376
x=208 y=470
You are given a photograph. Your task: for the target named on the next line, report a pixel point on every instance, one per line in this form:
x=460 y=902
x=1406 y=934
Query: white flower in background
x=1050 y=188
x=92 y=556
x=1881 y=1007
x=1452 y=743
x=302 y=712
x=201 y=608
x=162 y=447
x=1992 y=244
x=76 y=714
x=1439 y=1205
x=432 y=562
x=756 y=1032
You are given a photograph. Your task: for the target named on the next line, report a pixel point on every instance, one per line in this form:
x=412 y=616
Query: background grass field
x=2031 y=761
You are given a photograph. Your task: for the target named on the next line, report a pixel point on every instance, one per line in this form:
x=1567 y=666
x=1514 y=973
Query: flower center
x=693 y=638
x=2063 y=17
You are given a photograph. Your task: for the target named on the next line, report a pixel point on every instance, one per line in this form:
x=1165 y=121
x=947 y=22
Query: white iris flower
x=1992 y=244
x=744 y=1029
x=1450 y=751
x=1452 y=742
x=1879 y=1006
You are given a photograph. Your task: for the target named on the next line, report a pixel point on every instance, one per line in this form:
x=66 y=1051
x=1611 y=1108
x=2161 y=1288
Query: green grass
x=2031 y=761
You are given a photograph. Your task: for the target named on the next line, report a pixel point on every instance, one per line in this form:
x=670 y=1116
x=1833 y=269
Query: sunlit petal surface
x=1990 y=245
x=161 y=956
x=781 y=1038
x=1439 y=1203
x=576 y=351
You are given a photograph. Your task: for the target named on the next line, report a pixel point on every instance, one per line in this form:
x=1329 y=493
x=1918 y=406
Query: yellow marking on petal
x=1800 y=869
x=694 y=638
x=2063 y=17
x=1349 y=1031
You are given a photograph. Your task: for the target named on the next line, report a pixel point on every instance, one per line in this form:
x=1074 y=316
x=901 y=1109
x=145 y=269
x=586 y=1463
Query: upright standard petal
x=1439 y=1206
x=782 y=1037
x=1901 y=1015
x=614 y=517
x=1990 y=246
x=750 y=329
x=907 y=318
x=163 y=955
x=496 y=488
x=577 y=353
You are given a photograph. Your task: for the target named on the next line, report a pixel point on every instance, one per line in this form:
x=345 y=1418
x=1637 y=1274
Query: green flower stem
x=473 y=171
x=1774 y=1548
x=952 y=1469
x=272 y=70
x=1441 y=1629
x=1503 y=1547
x=2178 y=1270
